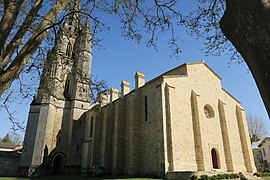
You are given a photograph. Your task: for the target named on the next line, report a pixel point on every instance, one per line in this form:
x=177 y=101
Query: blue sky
x=122 y=58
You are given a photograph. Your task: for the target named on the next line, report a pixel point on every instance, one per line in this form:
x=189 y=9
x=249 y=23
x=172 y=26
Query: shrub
x=194 y=177
x=232 y=176
x=213 y=177
x=204 y=177
x=219 y=176
x=262 y=174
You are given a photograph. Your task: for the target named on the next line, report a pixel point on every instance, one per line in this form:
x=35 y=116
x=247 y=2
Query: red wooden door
x=214 y=159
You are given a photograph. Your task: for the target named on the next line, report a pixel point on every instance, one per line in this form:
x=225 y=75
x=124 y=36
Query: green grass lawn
x=72 y=178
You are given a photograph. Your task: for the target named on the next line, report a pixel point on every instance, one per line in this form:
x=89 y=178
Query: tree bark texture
x=246 y=23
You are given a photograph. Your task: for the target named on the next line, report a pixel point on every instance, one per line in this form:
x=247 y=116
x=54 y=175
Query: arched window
x=215 y=159
x=67 y=91
x=91 y=126
x=53 y=70
x=69 y=50
x=67 y=86
x=145 y=108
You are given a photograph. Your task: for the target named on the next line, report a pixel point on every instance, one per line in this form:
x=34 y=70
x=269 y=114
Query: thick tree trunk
x=246 y=23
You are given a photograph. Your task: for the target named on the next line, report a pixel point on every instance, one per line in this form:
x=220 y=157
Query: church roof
x=9 y=147
x=182 y=70
x=193 y=63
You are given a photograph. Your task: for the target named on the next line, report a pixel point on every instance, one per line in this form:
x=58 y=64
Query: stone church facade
x=183 y=120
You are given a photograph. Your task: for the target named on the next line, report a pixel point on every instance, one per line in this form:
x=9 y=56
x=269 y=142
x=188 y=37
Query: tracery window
x=53 y=70
x=209 y=111
x=69 y=50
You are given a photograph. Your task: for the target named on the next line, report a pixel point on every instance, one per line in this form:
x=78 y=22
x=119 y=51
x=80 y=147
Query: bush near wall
x=262 y=174
x=215 y=177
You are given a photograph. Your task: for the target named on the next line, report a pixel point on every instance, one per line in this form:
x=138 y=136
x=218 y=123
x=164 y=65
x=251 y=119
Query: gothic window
x=67 y=91
x=209 y=111
x=91 y=126
x=67 y=86
x=263 y=151
x=145 y=108
x=53 y=70
x=69 y=50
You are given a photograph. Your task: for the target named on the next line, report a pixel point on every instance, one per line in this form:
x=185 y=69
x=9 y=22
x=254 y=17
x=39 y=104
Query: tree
x=32 y=28
x=245 y=24
x=12 y=138
x=29 y=29
x=10 y=68
x=257 y=129
x=6 y=139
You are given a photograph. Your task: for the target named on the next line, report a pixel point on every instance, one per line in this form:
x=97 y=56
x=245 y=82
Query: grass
x=73 y=177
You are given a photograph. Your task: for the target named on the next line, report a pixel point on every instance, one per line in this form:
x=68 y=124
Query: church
x=183 y=120
x=180 y=121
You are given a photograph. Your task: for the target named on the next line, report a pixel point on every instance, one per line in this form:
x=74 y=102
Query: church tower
x=53 y=136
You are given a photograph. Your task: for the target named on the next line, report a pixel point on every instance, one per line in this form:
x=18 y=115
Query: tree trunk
x=246 y=23
x=23 y=57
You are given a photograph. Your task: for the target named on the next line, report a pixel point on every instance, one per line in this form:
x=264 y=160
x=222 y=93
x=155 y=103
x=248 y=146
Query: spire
x=86 y=27
x=74 y=5
x=73 y=22
x=86 y=35
x=202 y=60
x=87 y=24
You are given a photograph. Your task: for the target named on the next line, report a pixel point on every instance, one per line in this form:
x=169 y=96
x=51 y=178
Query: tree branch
x=15 y=68
x=11 y=11
x=19 y=36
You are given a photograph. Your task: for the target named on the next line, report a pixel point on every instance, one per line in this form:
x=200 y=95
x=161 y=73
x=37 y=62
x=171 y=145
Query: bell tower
x=54 y=131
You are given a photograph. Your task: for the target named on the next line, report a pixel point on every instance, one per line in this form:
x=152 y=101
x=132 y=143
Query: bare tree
x=22 y=32
x=257 y=128
x=10 y=68
x=240 y=28
x=28 y=30
x=25 y=25
x=12 y=138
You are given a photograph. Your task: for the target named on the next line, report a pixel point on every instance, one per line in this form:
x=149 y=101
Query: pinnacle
x=86 y=27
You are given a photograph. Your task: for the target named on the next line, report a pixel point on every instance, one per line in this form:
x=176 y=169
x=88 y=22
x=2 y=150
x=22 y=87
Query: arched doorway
x=58 y=164
x=215 y=162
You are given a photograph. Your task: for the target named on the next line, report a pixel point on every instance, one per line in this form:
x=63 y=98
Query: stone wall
x=125 y=140
x=191 y=128
x=9 y=163
x=174 y=123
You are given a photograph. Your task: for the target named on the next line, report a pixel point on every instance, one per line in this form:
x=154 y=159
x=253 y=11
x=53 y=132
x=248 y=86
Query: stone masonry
x=181 y=121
